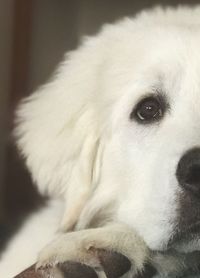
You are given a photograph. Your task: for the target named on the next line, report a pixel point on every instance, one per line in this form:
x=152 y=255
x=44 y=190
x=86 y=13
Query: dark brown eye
x=148 y=110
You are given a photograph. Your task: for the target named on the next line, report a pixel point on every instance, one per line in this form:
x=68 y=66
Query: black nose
x=188 y=171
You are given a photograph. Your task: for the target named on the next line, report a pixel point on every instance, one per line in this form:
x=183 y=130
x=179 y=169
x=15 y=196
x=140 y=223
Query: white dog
x=114 y=139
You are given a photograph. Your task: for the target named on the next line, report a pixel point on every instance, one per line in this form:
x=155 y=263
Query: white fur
x=23 y=250
x=81 y=146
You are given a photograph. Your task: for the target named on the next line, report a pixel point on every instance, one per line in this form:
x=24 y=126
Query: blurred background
x=34 y=36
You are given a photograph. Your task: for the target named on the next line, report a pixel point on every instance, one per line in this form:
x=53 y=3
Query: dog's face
x=132 y=115
x=152 y=157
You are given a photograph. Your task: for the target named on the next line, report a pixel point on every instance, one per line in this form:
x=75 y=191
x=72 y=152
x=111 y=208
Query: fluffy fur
x=81 y=147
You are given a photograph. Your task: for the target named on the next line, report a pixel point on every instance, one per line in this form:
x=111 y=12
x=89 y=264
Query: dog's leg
x=112 y=251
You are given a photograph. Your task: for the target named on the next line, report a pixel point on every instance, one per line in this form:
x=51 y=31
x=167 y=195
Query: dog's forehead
x=167 y=59
x=157 y=57
x=174 y=70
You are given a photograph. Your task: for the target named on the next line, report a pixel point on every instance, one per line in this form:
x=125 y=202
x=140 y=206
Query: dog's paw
x=97 y=253
x=110 y=264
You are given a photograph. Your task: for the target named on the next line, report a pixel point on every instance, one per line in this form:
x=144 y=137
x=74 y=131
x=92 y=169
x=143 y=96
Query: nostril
x=193 y=175
x=188 y=171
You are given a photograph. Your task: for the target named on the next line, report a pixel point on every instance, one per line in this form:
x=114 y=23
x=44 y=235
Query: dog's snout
x=188 y=171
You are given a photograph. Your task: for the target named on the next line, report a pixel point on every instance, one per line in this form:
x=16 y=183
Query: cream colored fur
x=81 y=147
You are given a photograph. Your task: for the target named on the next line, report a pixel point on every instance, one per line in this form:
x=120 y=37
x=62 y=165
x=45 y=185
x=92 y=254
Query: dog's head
x=121 y=120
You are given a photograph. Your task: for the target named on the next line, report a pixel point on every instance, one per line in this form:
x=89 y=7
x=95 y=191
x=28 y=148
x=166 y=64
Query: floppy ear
x=58 y=130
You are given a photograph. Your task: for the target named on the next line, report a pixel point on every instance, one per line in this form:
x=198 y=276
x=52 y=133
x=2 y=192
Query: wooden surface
x=29 y=273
